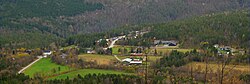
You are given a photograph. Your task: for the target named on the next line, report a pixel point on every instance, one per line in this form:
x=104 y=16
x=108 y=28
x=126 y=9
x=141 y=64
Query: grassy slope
x=45 y=67
x=84 y=72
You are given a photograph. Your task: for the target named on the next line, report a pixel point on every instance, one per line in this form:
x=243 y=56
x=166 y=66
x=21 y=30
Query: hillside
x=227 y=28
x=34 y=21
x=38 y=23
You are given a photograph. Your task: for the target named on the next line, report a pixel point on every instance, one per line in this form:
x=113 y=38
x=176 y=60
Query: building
x=47 y=53
x=165 y=43
x=63 y=55
x=132 y=61
x=91 y=52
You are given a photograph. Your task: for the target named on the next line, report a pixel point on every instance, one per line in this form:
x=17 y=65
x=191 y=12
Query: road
x=113 y=43
x=29 y=65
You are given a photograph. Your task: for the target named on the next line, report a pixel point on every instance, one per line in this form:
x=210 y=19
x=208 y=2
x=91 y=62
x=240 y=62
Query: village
x=115 y=55
x=125 y=42
x=136 y=55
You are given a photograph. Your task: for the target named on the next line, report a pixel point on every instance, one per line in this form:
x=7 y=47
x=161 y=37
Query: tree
x=155 y=52
x=222 y=63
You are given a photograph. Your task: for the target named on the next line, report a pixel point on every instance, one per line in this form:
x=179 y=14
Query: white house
x=46 y=53
x=91 y=52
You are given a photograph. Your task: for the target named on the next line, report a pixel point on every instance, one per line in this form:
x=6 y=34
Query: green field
x=84 y=72
x=168 y=50
x=45 y=68
x=153 y=58
x=100 y=59
x=49 y=70
x=116 y=48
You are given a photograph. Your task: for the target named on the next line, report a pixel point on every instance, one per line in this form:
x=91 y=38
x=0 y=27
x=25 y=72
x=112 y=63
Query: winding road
x=113 y=43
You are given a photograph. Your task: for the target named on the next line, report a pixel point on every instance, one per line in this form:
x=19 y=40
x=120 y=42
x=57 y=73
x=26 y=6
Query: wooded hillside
x=227 y=28
x=53 y=19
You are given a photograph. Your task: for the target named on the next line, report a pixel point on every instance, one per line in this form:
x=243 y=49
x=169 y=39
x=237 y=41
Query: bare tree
x=223 y=62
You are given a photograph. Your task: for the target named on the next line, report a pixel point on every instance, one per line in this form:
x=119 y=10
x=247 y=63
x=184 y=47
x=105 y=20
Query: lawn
x=45 y=68
x=84 y=72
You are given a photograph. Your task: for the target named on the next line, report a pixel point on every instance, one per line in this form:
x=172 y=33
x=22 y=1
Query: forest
x=38 y=23
x=60 y=19
x=226 y=28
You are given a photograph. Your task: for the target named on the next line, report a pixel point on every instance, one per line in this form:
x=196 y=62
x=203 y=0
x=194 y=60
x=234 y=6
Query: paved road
x=28 y=65
x=117 y=58
x=113 y=43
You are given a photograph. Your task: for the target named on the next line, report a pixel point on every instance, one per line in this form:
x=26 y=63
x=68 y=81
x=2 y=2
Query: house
x=132 y=61
x=47 y=53
x=156 y=42
x=223 y=49
x=136 y=54
x=63 y=55
x=91 y=52
x=216 y=46
x=226 y=48
x=28 y=51
x=165 y=43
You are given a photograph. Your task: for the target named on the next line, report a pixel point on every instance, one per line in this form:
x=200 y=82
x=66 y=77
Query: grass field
x=153 y=58
x=116 y=48
x=168 y=50
x=84 y=72
x=45 y=67
x=100 y=59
